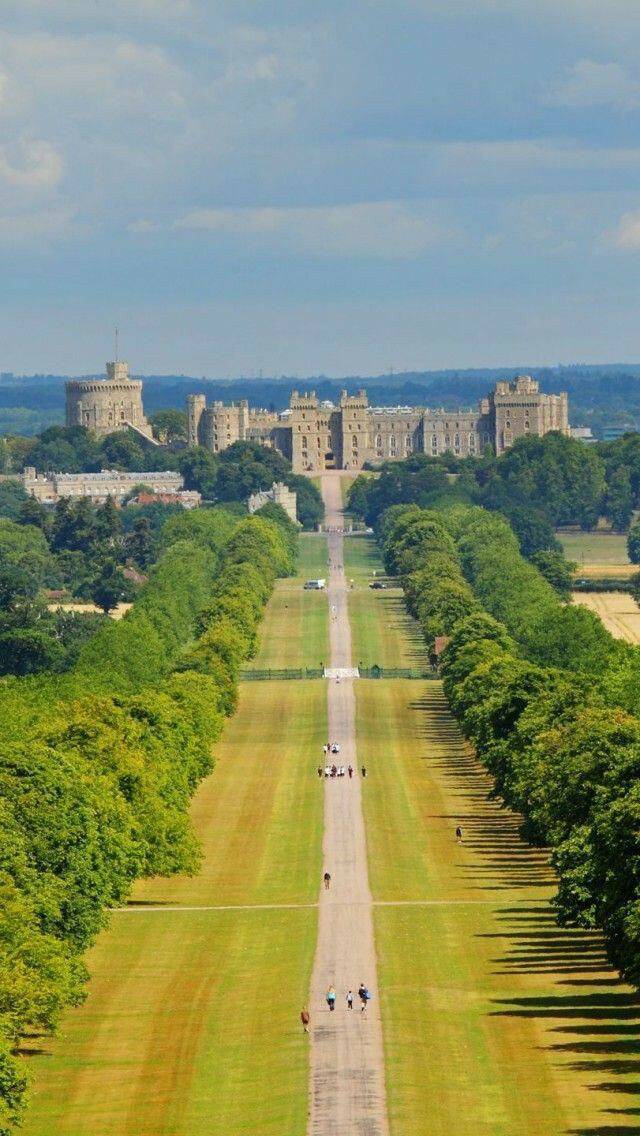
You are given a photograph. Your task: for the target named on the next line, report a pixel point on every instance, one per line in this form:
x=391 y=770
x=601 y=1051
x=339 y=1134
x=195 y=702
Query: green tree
x=13 y=496
x=633 y=543
x=169 y=426
x=556 y=570
x=111 y=587
x=618 y=505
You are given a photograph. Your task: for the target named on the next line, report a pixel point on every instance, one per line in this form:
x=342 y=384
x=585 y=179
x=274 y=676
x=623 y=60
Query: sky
x=286 y=186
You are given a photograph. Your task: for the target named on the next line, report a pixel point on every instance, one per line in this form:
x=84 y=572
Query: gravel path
x=347 y=1060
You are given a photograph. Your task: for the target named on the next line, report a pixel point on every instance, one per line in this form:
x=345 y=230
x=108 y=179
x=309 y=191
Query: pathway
x=347 y=1061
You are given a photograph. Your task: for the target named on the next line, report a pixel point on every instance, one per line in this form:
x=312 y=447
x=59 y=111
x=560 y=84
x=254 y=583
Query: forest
x=599 y=395
x=539 y=483
x=97 y=765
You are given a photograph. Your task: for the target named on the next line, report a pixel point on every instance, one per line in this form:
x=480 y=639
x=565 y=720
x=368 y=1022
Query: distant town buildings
x=279 y=494
x=316 y=435
x=51 y=487
x=583 y=434
x=107 y=405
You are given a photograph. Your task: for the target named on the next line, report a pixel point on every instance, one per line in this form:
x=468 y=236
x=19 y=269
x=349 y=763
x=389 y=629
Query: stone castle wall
x=105 y=406
x=316 y=435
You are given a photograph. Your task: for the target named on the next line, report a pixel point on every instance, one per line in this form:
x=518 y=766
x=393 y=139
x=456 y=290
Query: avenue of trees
x=549 y=699
x=97 y=765
x=539 y=484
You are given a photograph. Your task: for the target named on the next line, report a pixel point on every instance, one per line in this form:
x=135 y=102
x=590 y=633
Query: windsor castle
x=317 y=435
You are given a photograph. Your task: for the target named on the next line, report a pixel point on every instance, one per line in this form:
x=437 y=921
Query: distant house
x=279 y=494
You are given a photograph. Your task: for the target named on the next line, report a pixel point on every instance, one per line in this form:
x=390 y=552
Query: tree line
x=549 y=700
x=539 y=483
x=240 y=470
x=97 y=765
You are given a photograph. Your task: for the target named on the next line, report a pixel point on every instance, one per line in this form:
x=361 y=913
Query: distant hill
x=599 y=394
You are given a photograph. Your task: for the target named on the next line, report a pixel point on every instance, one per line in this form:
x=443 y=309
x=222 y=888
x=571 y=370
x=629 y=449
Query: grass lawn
x=596 y=550
x=381 y=631
x=191 y=1024
x=496 y=1022
x=296 y=623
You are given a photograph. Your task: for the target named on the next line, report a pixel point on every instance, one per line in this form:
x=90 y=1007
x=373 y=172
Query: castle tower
x=105 y=406
x=354 y=430
x=196 y=404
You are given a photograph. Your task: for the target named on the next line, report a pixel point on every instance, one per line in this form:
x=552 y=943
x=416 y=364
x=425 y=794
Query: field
x=618 y=611
x=191 y=1021
x=296 y=625
x=382 y=633
x=598 y=554
x=496 y=1022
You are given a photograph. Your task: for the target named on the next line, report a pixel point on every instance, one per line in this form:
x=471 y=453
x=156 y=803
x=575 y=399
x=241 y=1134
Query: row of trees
x=97 y=766
x=539 y=483
x=562 y=741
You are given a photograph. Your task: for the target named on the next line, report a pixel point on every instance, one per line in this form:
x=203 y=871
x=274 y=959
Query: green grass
x=588 y=548
x=381 y=631
x=296 y=623
x=496 y=1022
x=191 y=1024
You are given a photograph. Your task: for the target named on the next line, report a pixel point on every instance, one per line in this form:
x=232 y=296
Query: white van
x=315 y=585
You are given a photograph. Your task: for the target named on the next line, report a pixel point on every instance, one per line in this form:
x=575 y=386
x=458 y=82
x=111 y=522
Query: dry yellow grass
x=91 y=608
x=618 y=611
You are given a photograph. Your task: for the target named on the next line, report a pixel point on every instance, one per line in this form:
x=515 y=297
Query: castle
x=107 y=405
x=315 y=435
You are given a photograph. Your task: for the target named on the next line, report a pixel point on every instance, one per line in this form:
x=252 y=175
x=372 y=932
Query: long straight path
x=347 y=1062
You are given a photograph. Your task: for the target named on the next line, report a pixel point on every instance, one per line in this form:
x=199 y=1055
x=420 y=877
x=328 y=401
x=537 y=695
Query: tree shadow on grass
x=591 y=1021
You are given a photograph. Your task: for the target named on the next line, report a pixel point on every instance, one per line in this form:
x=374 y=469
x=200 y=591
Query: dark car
x=377 y=585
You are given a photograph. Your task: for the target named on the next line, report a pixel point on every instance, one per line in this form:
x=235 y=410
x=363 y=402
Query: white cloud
x=381 y=229
x=38 y=166
x=626 y=235
x=590 y=84
x=40 y=226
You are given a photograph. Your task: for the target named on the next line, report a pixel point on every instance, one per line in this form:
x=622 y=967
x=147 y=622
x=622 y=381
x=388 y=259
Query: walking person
x=459 y=833
x=350 y=1000
x=350 y=772
x=364 y=771
x=319 y=771
x=305 y=1018
x=331 y=998
x=364 y=996
x=327 y=881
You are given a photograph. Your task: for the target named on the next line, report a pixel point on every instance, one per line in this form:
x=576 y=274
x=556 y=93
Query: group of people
x=330 y=747
x=339 y=771
x=364 y=995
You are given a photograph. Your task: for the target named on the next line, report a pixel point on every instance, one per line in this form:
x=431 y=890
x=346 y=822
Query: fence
x=288 y=673
x=283 y=673
x=396 y=672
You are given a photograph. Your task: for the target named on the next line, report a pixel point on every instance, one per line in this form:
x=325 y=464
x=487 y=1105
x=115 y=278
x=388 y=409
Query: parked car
x=377 y=585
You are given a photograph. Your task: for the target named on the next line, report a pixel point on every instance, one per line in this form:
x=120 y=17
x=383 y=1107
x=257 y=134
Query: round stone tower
x=107 y=405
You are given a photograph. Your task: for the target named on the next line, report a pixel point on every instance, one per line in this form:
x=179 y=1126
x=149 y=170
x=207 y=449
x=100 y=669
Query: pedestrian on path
x=459 y=834
x=364 y=771
x=350 y=1000
x=319 y=771
x=331 y=998
x=327 y=881
x=364 y=996
x=350 y=772
x=305 y=1018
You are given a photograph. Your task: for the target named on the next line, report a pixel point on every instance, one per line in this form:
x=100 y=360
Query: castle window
x=447 y=439
x=329 y=443
x=457 y=439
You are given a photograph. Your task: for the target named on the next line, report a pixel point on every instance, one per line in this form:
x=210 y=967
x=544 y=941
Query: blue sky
x=300 y=187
